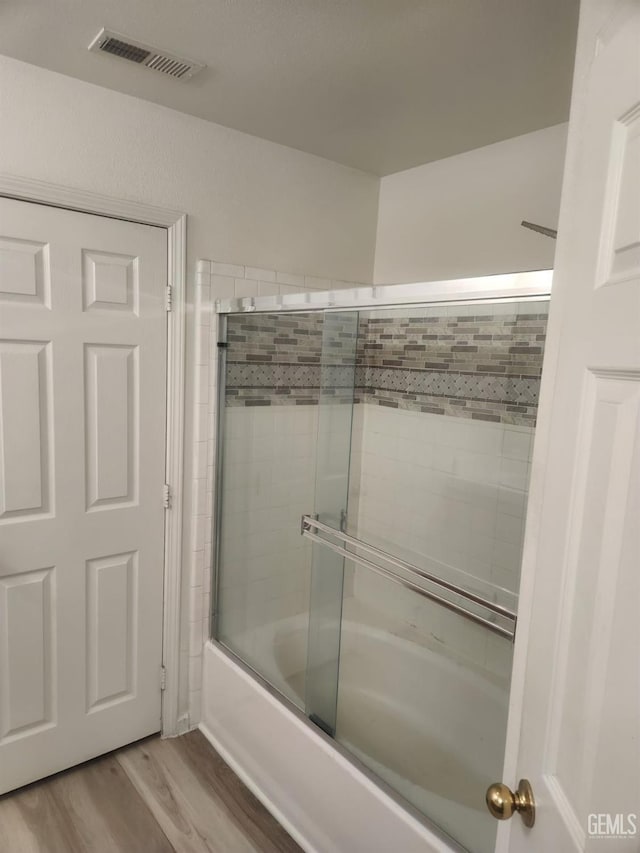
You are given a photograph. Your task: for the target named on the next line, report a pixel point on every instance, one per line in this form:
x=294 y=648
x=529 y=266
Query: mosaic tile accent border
x=481 y=366
x=465 y=385
x=496 y=412
x=281 y=375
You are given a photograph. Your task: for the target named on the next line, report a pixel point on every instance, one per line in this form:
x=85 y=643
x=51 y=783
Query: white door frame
x=27 y=189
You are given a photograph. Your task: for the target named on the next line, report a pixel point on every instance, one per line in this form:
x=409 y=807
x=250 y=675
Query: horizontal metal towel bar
x=309 y=524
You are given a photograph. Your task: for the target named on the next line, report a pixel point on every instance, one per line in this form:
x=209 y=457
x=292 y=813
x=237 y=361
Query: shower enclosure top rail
x=390 y=571
x=510 y=287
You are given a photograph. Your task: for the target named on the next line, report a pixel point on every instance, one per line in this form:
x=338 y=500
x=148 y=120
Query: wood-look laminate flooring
x=155 y=796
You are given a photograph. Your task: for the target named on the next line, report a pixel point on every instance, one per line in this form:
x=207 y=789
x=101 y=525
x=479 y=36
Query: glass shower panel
x=444 y=426
x=267 y=478
x=333 y=449
x=423 y=702
x=449 y=399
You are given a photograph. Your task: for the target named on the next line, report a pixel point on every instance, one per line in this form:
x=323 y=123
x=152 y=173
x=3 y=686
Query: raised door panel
x=620 y=249
x=24 y=272
x=27 y=653
x=112 y=629
x=110 y=281
x=599 y=576
x=25 y=430
x=111 y=425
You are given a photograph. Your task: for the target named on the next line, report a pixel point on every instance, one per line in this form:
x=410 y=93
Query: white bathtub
x=431 y=727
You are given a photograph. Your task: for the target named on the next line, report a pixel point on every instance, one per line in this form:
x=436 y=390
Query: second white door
x=574 y=728
x=82 y=461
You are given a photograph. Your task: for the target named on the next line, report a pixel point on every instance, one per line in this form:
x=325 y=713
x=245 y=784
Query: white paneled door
x=82 y=462
x=574 y=728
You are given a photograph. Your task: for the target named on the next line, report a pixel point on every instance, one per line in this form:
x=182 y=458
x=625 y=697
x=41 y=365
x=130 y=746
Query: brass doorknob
x=502 y=802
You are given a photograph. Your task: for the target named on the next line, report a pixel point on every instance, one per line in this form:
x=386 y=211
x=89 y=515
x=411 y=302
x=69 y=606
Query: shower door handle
x=502 y=802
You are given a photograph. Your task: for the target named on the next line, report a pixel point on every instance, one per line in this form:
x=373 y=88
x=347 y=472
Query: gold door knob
x=502 y=802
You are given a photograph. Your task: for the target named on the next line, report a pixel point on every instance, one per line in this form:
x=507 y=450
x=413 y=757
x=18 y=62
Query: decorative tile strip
x=279 y=375
x=459 y=408
x=485 y=366
x=469 y=386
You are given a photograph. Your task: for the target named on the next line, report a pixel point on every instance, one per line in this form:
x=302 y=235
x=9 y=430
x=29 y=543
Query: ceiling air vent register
x=143 y=54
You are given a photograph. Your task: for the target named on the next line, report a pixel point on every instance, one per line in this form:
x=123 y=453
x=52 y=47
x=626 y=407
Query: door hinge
x=169 y=297
x=166 y=496
x=163 y=678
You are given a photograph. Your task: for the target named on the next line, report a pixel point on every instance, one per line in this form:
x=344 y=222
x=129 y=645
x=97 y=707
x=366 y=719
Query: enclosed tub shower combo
x=374 y=448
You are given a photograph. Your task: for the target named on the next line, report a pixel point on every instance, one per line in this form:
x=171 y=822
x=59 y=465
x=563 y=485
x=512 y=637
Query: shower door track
x=391 y=573
x=511 y=287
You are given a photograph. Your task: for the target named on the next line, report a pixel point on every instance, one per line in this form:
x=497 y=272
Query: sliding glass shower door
x=285 y=416
x=268 y=426
x=375 y=468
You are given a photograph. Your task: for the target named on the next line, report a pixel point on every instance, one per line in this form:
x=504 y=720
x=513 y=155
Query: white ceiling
x=381 y=85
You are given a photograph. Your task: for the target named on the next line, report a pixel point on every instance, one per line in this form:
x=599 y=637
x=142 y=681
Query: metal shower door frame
x=504 y=288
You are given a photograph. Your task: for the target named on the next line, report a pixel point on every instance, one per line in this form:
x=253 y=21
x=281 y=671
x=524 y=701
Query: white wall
x=461 y=216
x=248 y=200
